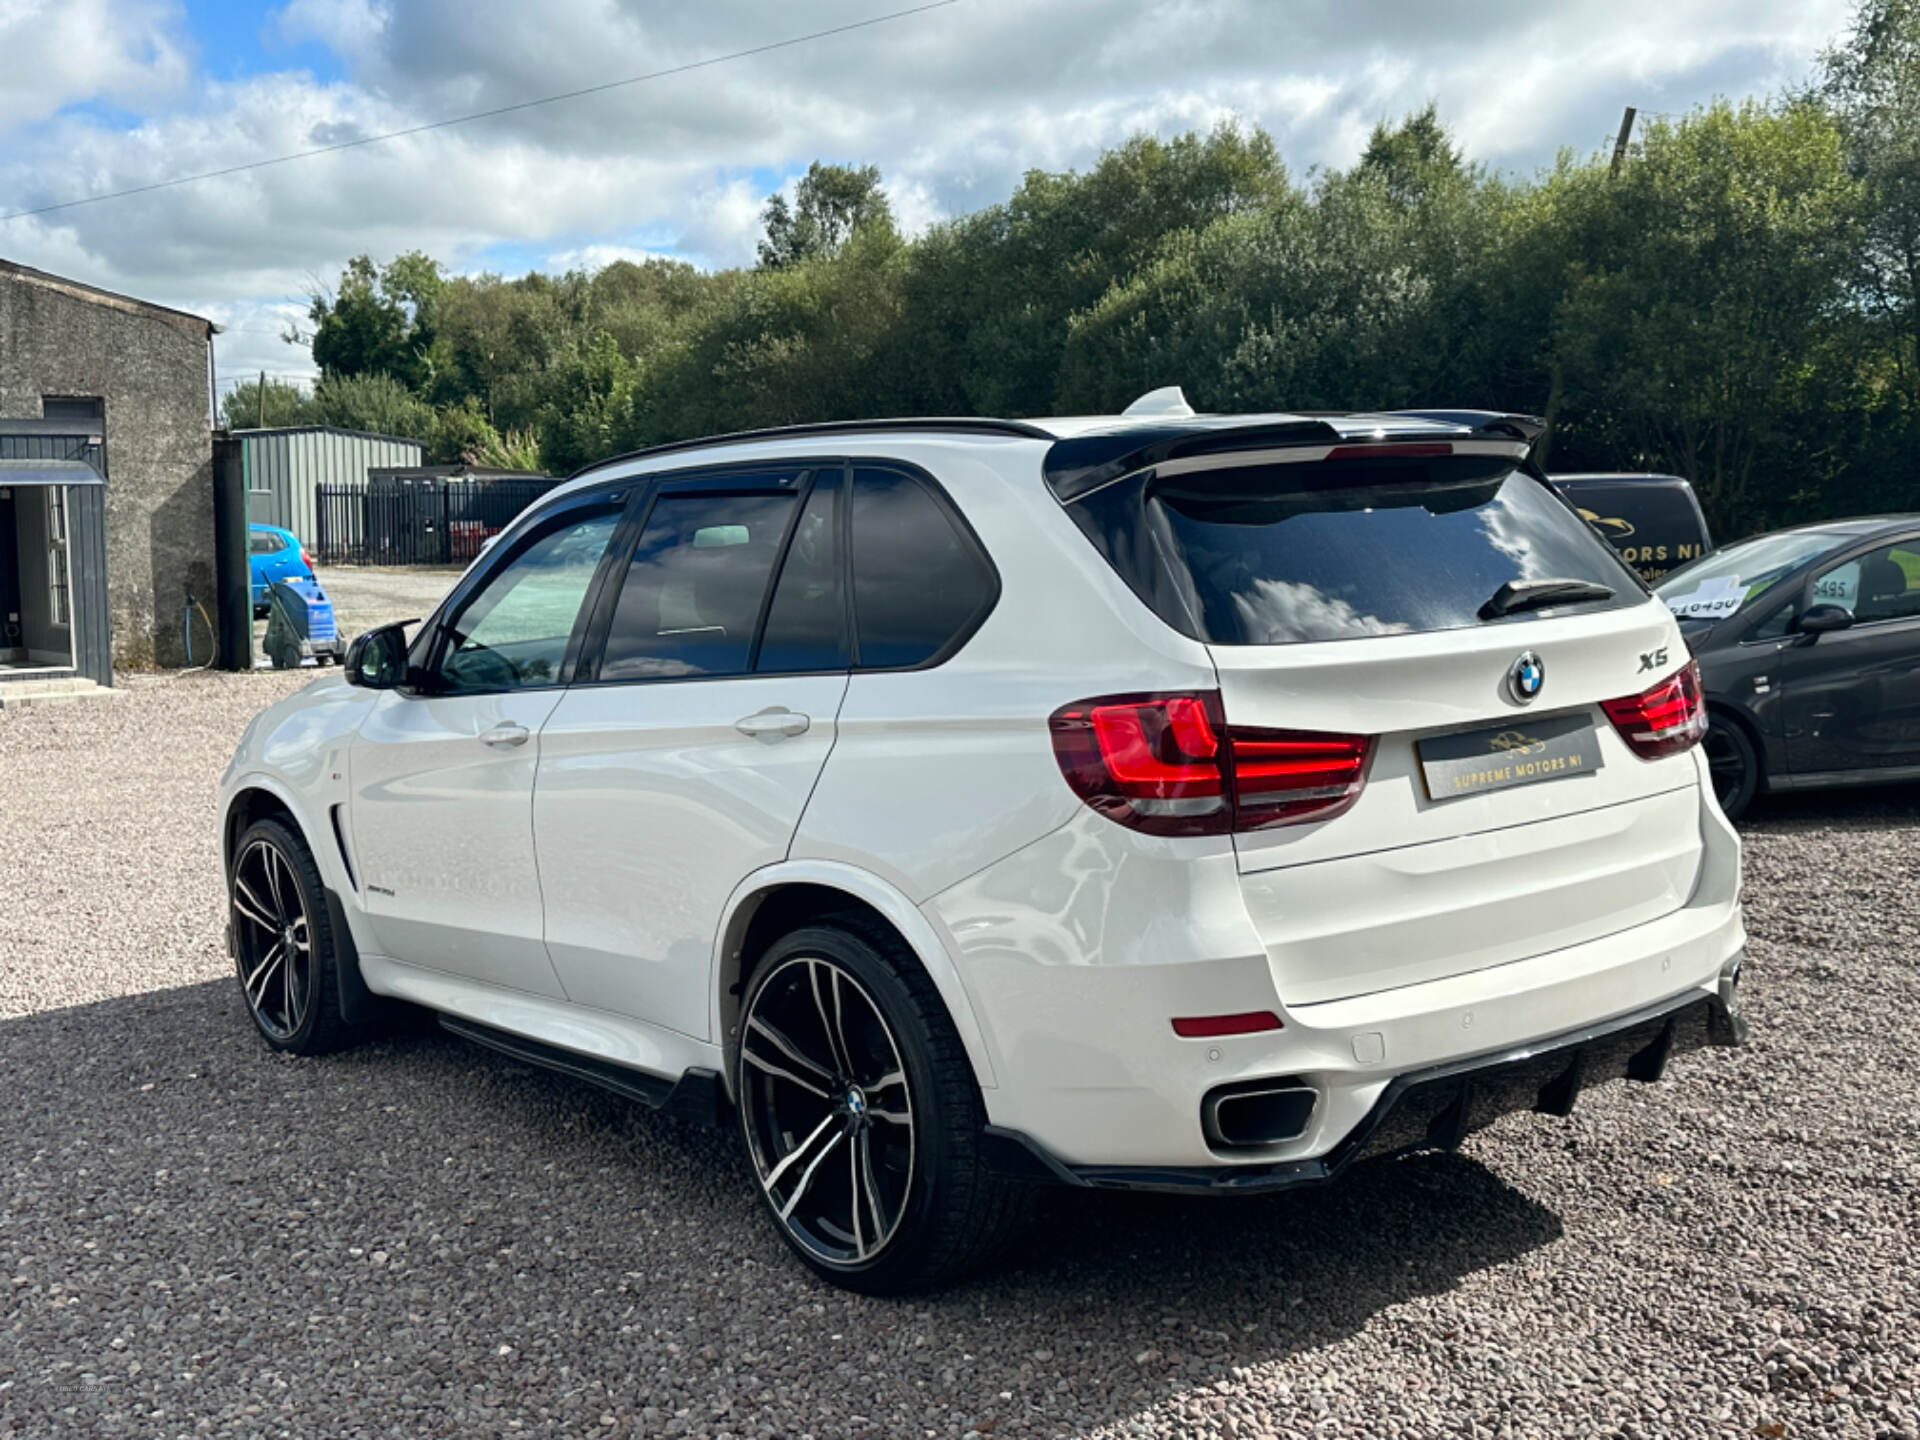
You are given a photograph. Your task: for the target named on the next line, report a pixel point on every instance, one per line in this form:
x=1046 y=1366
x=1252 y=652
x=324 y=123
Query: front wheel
x=283 y=942
x=861 y=1115
x=1734 y=764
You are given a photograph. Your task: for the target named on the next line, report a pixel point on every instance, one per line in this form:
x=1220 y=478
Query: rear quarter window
x=921 y=583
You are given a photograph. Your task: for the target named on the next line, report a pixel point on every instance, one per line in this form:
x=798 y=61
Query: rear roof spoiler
x=1077 y=466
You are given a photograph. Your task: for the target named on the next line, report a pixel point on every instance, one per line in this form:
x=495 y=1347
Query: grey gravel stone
x=419 y=1238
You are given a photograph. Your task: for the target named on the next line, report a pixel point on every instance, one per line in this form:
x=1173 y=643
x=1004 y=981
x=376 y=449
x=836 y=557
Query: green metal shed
x=282 y=465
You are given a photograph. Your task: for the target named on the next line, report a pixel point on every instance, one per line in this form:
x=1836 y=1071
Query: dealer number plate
x=1521 y=753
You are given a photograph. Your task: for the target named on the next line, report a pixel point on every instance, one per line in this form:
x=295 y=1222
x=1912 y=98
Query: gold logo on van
x=1611 y=526
x=1515 y=743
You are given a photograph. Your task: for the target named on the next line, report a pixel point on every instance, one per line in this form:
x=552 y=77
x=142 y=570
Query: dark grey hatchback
x=1808 y=642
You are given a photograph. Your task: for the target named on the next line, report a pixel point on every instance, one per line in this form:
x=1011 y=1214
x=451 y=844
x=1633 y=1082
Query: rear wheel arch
x=768 y=906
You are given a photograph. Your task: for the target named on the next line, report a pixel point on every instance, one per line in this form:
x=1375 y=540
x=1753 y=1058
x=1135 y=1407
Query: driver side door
x=1853 y=695
x=442 y=770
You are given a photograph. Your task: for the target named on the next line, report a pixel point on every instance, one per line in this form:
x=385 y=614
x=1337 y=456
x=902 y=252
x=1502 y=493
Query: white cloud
x=598 y=257
x=953 y=105
x=65 y=52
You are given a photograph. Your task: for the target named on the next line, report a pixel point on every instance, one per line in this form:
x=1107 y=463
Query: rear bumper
x=1433 y=1108
x=1077 y=951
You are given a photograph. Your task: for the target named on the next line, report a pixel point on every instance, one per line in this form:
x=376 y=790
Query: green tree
x=248 y=406
x=377 y=403
x=1872 y=82
x=831 y=203
x=379 y=321
x=1710 y=292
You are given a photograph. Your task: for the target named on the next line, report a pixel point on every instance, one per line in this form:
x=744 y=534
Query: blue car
x=274 y=554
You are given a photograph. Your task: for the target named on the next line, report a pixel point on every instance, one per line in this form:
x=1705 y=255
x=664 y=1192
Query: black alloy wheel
x=862 y=1116
x=283 y=941
x=828 y=1111
x=1734 y=764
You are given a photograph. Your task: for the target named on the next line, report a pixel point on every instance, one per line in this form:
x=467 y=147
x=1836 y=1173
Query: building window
x=57 y=555
x=85 y=410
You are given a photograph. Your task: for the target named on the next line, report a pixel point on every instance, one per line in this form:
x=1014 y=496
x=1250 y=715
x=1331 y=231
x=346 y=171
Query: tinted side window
x=513 y=633
x=692 y=593
x=806 y=624
x=263 y=542
x=917 y=581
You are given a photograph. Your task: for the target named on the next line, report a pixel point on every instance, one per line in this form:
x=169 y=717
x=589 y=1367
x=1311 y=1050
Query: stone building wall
x=151 y=367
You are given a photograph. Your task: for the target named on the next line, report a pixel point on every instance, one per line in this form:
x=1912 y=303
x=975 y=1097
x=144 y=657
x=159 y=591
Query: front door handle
x=505 y=736
x=774 y=720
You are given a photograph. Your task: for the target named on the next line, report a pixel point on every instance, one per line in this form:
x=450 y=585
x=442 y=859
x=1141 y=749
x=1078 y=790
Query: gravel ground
x=368 y=595
x=420 y=1238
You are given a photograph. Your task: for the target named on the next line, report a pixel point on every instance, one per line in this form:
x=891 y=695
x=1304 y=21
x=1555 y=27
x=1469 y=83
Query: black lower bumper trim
x=1433 y=1108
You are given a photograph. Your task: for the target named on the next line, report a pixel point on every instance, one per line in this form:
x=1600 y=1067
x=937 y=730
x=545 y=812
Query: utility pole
x=1620 y=145
x=262 y=406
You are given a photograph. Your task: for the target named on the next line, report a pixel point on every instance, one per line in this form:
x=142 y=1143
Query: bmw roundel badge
x=1526 y=678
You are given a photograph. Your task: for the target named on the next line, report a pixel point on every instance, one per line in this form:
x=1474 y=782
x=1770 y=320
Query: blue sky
x=953 y=105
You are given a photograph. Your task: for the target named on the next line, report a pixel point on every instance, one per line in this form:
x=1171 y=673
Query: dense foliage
x=1739 y=303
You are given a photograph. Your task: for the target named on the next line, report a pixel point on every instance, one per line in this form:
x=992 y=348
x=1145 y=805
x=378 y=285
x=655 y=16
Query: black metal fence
x=415 y=520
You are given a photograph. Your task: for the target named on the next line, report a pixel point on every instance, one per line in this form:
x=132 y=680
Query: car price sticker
x=1710 y=600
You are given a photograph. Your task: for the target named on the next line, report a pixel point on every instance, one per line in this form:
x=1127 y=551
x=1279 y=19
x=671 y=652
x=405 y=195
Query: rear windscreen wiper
x=1518 y=595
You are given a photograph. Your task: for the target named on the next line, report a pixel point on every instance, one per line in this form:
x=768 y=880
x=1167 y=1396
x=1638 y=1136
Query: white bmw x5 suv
x=1195 y=803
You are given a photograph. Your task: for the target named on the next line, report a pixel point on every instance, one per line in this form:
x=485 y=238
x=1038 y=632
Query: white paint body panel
x=648 y=809
x=443 y=835
x=635 y=834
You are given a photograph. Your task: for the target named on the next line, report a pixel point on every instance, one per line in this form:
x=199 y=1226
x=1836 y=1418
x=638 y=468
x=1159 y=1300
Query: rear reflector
x=1665 y=720
x=1205 y=1027
x=1171 y=765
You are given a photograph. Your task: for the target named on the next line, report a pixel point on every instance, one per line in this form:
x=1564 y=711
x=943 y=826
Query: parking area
x=421 y=1238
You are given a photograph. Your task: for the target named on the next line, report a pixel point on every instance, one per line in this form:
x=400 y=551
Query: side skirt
x=696 y=1097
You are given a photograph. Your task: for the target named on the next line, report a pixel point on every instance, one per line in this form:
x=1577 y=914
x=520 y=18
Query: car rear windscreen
x=1283 y=554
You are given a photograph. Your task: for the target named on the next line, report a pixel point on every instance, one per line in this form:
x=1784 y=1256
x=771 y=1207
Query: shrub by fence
x=416 y=520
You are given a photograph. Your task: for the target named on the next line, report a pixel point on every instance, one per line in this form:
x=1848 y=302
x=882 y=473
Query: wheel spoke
x=793 y=1155
x=273 y=880
x=853 y=1195
x=256 y=983
x=806 y=1176
x=831 y=1023
x=867 y=1185
x=768 y=1067
x=892 y=1117
x=821 y=1075
x=248 y=904
x=301 y=940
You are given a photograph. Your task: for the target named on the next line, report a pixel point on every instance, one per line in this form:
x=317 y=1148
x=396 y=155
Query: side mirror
x=1823 y=619
x=377 y=659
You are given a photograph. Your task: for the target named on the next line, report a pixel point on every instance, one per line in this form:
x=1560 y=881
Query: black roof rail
x=957 y=424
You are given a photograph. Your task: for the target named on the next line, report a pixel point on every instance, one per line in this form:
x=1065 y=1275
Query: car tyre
x=1734 y=763
x=283 y=943
x=861 y=1115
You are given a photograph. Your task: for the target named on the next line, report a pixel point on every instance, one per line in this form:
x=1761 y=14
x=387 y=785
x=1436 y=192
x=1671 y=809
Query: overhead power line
x=452 y=120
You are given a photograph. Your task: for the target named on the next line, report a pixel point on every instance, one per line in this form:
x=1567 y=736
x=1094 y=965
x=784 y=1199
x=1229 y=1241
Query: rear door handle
x=504 y=736
x=774 y=720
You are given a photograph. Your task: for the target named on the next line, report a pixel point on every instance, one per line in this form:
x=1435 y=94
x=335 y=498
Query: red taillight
x=306 y=560
x=1665 y=720
x=1170 y=765
x=1205 y=1027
